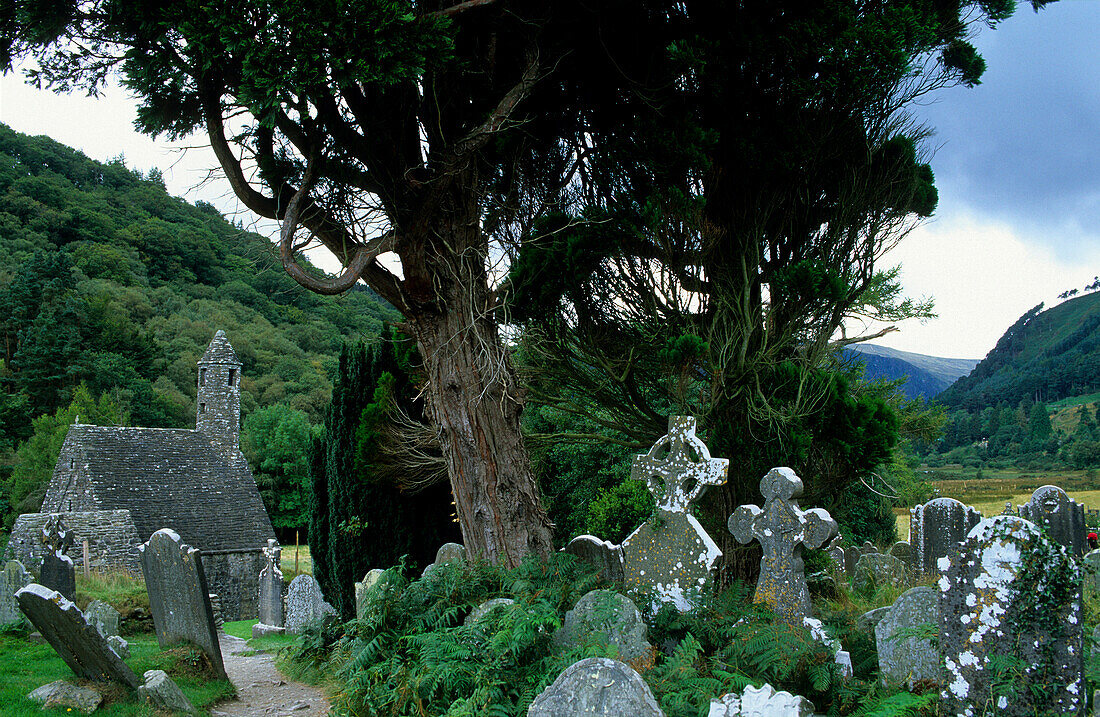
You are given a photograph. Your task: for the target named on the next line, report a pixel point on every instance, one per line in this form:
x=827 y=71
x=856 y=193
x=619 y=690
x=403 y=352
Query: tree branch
x=841 y=343
x=461 y=7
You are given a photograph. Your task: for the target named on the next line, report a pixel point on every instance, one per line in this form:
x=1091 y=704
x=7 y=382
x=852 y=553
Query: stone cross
x=270 y=598
x=671 y=553
x=782 y=529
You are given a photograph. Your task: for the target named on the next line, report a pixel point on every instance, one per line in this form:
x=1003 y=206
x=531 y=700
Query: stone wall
x=234 y=576
x=112 y=540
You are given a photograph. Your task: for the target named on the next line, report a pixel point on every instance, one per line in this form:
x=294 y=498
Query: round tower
x=218 y=413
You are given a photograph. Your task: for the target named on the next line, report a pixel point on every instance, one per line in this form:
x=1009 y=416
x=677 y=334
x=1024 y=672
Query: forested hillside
x=110 y=289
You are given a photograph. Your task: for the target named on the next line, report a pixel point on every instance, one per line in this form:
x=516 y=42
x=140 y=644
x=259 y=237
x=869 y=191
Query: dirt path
x=261 y=690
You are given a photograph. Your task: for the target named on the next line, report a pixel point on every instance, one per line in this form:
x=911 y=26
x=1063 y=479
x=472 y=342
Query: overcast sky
x=1016 y=164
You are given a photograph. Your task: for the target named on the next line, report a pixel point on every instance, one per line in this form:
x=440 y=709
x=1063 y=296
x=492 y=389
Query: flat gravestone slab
x=178 y=595
x=304 y=603
x=596 y=686
x=902 y=656
x=79 y=644
x=1063 y=517
x=979 y=607
x=782 y=529
x=13 y=577
x=604 y=556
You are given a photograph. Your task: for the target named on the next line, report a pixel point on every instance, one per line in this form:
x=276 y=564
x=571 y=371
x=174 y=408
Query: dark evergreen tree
x=370 y=504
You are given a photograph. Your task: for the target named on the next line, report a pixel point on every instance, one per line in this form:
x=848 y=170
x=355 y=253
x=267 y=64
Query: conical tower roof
x=220 y=351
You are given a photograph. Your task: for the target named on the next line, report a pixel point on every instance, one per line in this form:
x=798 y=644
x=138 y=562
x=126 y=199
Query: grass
x=268 y=643
x=25 y=666
x=304 y=563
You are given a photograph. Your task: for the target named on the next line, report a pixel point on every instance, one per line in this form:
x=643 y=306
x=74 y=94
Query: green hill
x=109 y=282
x=1045 y=356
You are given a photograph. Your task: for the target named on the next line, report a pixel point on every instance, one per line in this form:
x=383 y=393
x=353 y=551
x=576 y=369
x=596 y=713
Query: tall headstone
x=905 y=657
x=270 y=601
x=604 y=556
x=13 y=577
x=782 y=529
x=178 y=595
x=991 y=626
x=671 y=553
x=304 y=603
x=1063 y=517
x=79 y=644
x=936 y=528
x=57 y=571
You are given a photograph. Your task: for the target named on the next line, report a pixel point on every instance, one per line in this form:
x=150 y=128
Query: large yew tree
x=371 y=127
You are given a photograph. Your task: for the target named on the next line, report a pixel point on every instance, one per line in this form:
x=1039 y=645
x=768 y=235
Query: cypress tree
x=361 y=517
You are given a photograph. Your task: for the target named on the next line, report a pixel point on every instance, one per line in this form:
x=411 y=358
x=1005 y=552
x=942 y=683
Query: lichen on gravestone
x=304 y=603
x=604 y=556
x=57 y=571
x=782 y=529
x=596 y=686
x=905 y=655
x=936 y=528
x=1063 y=517
x=671 y=554
x=608 y=617
x=13 y=577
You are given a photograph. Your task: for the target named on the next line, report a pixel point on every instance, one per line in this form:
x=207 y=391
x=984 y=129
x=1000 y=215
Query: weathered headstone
x=991 y=625
x=65 y=695
x=304 y=603
x=596 y=686
x=163 y=694
x=270 y=602
x=610 y=616
x=448 y=553
x=782 y=529
x=760 y=702
x=866 y=622
x=904 y=657
x=102 y=617
x=670 y=553
x=13 y=577
x=485 y=608
x=868 y=548
x=1090 y=572
x=1063 y=517
x=836 y=555
x=875 y=570
x=903 y=551
x=57 y=571
x=936 y=528
x=602 y=555
x=79 y=644
x=362 y=588
x=178 y=595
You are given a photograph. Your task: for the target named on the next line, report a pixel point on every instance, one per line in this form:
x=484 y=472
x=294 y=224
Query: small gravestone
x=160 y=692
x=670 y=553
x=903 y=551
x=596 y=686
x=936 y=528
x=782 y=529
x=1063 y=517
x=875 y=570
x=178 y=596
x=79 y=644
x=866 y=622
x=992 y=627
x=868 y=548
x=13 y=577
x=609 y=617
x=304 y=603
x=760 y=702
x=602 y=555
x=65 y=695
x=362 y=589
x=836 y=556
x=904 y=657
x=448 y=553
x=57 y=571
x=102 y=617
x=119 y=645
x=1091 y=570
x=485 y=608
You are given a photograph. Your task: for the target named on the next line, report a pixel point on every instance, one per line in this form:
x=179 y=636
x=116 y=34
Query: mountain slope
x=925 y=375
x=1045 y=356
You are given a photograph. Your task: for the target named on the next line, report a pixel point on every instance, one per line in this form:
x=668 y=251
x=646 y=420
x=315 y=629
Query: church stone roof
x=220 y=351
x=172 y=478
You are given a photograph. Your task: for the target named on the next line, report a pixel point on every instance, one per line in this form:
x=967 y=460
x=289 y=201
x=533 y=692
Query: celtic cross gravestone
x=671 y=553
x=782 y=529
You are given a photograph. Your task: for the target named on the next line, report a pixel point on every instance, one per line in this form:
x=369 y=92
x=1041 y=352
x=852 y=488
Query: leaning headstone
x=13 y=577
x=1005 y=609
x=670 y=553
x=1063 y=517
x=605 y=557
x=782 y=529
x=102 y=617
x=596 y=686
x=902 y=656
x=610 y=617
x=304 y=603
x=836 y=555
x=79 y=644
x=65 y=695
x=362 y=588
x=866 y=622
x=875 y=570
x=178 y=595
x=57 y=571
x=163 y=694
x=760 y=702
x=936 y=528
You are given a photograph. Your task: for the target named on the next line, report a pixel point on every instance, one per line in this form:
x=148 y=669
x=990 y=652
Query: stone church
x=116 y=486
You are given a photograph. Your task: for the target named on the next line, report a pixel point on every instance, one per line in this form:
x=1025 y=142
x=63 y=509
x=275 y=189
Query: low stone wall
x=112 y=540
x=234 y=575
